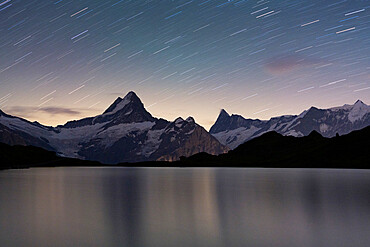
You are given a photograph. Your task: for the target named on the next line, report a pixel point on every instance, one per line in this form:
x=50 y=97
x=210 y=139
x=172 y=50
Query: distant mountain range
x=270 y=150
x=127 y=132
x=234 y=130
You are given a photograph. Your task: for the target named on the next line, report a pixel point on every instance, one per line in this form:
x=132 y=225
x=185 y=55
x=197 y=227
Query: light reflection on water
x=184 y=207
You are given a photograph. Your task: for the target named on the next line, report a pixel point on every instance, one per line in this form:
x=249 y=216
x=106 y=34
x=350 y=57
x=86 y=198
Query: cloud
x=287 y=63
x=117 y=94
x=29 y=111
x=61 y=110
x=51 y=115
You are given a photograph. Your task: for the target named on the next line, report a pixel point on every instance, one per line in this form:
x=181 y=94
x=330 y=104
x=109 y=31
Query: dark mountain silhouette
x=269 y=150
x=275 y=150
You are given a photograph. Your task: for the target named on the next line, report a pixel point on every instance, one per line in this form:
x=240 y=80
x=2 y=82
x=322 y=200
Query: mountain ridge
x=270 y=150
x=127 y=132
x=233 y=130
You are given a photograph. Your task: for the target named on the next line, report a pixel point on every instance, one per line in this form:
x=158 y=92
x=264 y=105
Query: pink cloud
x=288 y=63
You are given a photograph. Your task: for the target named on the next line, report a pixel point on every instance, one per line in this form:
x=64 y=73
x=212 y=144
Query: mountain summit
x=129 y=109
x=120 y=103
x=226 y=122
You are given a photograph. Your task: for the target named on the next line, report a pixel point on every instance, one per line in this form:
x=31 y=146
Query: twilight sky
x=62 y=59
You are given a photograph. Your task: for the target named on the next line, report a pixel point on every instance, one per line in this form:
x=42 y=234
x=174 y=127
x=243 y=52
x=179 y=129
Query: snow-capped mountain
x=234 y=130
x=125 y=132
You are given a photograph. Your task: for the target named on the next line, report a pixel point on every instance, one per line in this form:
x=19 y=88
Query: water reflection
x=184 y=207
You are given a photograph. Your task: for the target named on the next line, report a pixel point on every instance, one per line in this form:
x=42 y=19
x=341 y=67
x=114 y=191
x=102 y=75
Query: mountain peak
x=120 y=103
x=131 y=96
x=358 y=111
x=179 y=120
x=359 y=102
x=130 y=109
x=223 y=114
x=222 y=122
x=190 y=119
x=313 y=108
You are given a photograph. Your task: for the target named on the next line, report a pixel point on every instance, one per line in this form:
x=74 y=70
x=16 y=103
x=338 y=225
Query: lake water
x=184 y=207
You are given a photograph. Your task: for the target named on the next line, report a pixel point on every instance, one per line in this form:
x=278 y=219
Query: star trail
x=62 y=60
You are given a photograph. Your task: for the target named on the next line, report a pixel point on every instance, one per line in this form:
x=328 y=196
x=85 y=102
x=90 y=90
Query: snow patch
x=346 y=107
x=292 y=124
x=238 y=136
x=272 y=127
x=67 y=140
x=294 y=133
x=24 y=126
x=113 y=134
x=358 y=111
x=324 y=128
x=152 y=142
x=128 y=113
x=190 y=132
x=118 y=107
x=302 y=114
x=179 y=120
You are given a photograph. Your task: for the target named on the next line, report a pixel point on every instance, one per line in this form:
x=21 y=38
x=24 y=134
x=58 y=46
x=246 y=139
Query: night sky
x=62 y=60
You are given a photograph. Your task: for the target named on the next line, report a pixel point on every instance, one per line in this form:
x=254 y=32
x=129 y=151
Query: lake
x=181 y=207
